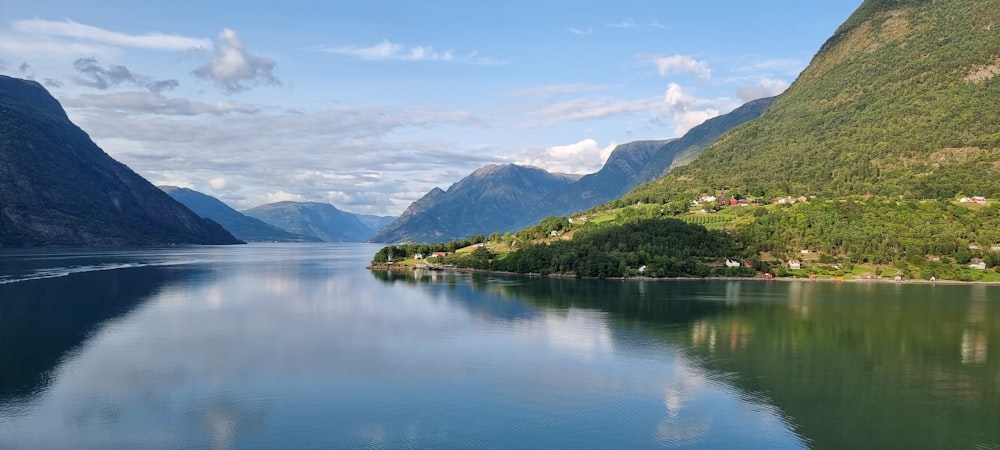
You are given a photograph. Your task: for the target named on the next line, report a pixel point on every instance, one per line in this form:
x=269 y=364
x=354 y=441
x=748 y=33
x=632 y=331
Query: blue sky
x=369 y=105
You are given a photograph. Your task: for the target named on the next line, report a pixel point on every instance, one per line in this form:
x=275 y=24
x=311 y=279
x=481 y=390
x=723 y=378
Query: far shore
x=881 y=280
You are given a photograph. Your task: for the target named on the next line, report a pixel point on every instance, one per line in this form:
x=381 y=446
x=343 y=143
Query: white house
x=794 y=264
x=978 y=264
x=732 y=263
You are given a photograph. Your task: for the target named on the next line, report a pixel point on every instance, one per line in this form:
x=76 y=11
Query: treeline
x=879 y=231
x=403 y=251
x=654 y=248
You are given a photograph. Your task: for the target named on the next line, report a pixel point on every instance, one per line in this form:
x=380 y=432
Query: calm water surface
x=298 y=346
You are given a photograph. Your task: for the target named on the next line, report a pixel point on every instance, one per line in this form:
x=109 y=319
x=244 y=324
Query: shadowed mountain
x=57 y=187
x=319 y=220
x=240 y=225
x=491 y=199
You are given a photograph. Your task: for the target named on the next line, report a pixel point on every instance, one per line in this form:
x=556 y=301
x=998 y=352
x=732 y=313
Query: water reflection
x=42 y=322
x=299 y=346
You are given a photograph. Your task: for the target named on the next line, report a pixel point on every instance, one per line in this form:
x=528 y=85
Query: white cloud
x=219 y=184
x=306 y=155
x=683 y=64
x=689 y=111
x=233 y=68
x=74 y=30
x=155 y=103
x=588 y=109
x=391 y=51
x=580 y=31
x=282 y=196
x=583 y=157
x=766 y=87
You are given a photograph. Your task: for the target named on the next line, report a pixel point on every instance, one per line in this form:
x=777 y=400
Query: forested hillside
x=901 y=100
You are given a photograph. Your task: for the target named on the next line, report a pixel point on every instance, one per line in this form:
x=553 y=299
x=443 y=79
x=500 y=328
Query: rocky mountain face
x=57 y=187
x=491 y=199
x=322 y=221
x=240 y=225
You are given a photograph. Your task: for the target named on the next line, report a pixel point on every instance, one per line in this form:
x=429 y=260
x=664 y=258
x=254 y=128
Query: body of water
x=298 y=346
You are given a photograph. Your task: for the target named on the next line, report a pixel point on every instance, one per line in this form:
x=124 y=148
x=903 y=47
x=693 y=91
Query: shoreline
x=761 y=278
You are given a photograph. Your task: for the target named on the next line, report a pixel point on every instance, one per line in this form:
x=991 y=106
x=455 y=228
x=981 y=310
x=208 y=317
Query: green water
x=297 y=346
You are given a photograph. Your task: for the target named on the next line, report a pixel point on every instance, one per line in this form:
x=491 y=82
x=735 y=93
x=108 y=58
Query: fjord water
x=298 y=346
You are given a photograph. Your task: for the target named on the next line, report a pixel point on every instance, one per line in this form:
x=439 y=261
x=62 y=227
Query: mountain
x=319 y=220
x=491 y=199
x=240 y=225
x=375 y=222
x=57 y=187
x=640 y=162
x=900 y=101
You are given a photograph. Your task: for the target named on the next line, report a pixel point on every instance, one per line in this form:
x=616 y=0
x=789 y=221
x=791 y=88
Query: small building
x=794 y=264
x=418 y=256
x=440 y=254
x=933 y=258
x=642 y=269
x=973 y=246
x=978 y=264
x=964 y=200
x=977 y=199
x=732 y=263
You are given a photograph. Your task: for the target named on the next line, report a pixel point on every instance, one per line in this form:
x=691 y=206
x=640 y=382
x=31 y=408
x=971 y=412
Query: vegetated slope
x=901 y=100
x=240 y=225
x=319 y=220
x=640 y=162
x=491 y=199
x=57 y=187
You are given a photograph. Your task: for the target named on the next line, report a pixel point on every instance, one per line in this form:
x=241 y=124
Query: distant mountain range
x=240 y=225
x=322 y=221
x=57 y=187
x=507 y=198
x=491 y=199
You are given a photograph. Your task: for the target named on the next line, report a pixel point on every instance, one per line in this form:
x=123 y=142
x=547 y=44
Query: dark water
x=298 y=346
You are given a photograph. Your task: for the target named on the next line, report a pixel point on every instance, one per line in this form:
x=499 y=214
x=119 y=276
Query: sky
x=368 y=105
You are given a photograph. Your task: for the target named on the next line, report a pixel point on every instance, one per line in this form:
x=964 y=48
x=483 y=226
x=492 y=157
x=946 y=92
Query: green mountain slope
x=901 y=100
x=240 y=225
x=57 y=187
x=491 y=199
x=318 y=220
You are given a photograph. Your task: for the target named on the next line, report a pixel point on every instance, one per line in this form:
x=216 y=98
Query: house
x=747 y=263
x=980 y=200
x=794 y=264
x=733 y=201
x=973 y=247
x=418 y=256
x=440 y=254
x=978 y=264
x=964 y=200
x=642 y=269
x=995 y=248
x=732 y=263
x=933 y=258
x=553 y=233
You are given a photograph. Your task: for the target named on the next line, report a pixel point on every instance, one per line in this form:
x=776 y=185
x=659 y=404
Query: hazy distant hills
x=319 y=220
x=59 y=188
x=490 y=199
x=900 y=101
x=240 y=225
